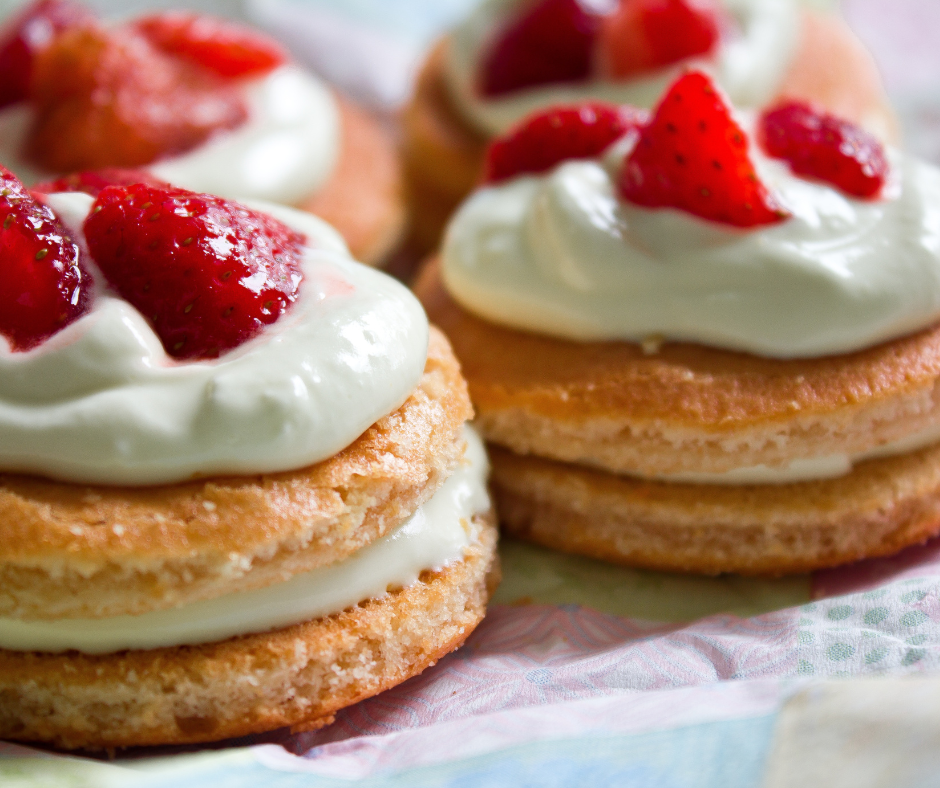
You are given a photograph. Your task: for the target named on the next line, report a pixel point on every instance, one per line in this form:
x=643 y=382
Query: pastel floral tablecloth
x=588 y=674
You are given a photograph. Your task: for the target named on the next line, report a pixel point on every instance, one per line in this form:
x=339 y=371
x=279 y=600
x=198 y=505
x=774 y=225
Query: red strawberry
x=550 y=41
x=109 y=98
x=694 y=156
x=28 y=33
x=45 y=286
x=208 y=273
x=94 y=181
x=547 y=138
x=227 y=48
x=642 y=35
x=825 y=147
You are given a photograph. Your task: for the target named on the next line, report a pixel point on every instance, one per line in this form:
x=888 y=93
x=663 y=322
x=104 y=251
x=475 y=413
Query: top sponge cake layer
x=80 y=551
x=685 y=407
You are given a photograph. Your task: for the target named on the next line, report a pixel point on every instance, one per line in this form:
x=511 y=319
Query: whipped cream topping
x=560 y=254
x=102 y=402
x=750 y=65
x=436 y=535
x=283 y=153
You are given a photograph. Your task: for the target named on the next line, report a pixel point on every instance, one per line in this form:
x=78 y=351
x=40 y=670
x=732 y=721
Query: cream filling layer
x=283 y=153
x=101 y=401
x=750 y=66
x=830 y=466
x=436 y=535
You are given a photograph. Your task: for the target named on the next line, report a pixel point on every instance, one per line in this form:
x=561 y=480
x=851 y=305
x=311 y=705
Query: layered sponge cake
x=239 y=491
x=693 y=352
x=513 y=57
x=203 y=103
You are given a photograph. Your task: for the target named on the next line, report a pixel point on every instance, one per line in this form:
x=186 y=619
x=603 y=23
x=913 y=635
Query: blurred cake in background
x=509 y=58
x=203 y=103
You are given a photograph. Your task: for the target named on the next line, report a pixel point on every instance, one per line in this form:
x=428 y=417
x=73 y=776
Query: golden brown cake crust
x=298 y=676
x=84 y=551
x=687 y=407
x=444 y=154
x=364 y=196
x=879 y=508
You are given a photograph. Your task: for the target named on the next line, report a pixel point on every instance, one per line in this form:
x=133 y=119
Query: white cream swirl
x=435 y=536
x=102 y=402
x=283 y=153
x=562 y=255
x=750 y=66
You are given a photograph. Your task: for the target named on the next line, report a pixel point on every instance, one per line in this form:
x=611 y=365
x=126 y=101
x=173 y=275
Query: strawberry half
x=825 y=147
x=208 y=273
x=109 y=98
x=642 y=35
x=547 y=138
x=550 y=41
x=28 y=33
x=227 y=48
x=45 y=286
x=694 y=156
x=94 y=181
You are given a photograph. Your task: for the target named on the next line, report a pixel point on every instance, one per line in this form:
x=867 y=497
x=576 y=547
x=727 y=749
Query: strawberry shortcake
x=203 y=103
x=698 y=341
x=237 y=485
x=513 y=57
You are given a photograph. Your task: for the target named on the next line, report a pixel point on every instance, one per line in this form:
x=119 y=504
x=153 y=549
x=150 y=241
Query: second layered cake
x=692 y=354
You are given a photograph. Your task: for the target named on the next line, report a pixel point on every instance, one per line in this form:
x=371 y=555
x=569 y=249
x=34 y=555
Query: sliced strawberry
x=825 y=147
x=642 y=35
x=45 y=286
x=550 y=41
x=28 y=33
x=227 y=48
x=580 y=131
x=694 y=156
x=108 y=98
x=208 y=273
x=94 y=181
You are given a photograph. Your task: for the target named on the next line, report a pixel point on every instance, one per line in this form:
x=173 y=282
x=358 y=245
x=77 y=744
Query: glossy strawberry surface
x=694 y=156
x=226 y=48
x=28 y=33
x=643 y=35
x=106 y=97
x=94 y=181
x=209 y=274
x=822 y=146
x=579 y=131
x=44 y=284
x=548 y=41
